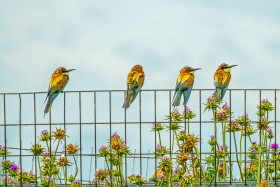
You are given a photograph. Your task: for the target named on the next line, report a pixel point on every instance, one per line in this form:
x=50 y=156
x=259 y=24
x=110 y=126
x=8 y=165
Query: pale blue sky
x=104 y=39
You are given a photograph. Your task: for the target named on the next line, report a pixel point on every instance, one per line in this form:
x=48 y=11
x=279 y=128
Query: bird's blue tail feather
x=50 y=101
x=177 y=99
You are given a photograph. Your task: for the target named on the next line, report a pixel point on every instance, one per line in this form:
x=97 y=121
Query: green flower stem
x=40 y=169
x=47 y=145
x=197 y=159
x=65 y=178
x=188 y=126
x=177 y=138
x=159 y=138
x=250 y=139
x=241 y=178
x=120 y=171
x=108 y=169
x=241 y=149
x=3 y=168
x=172 y=144
x=224 y=151
x=260 y=154
x=76 y=167
x=267 y=155
x=56 y=149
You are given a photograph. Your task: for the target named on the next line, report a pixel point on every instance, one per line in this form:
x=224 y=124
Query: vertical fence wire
x=260 y=121
x=110 y=124
x=155 y=111
x=95 y=152
x=125 y=139
x=170 y=149
x=230 y=167
x=200 y=131
x=81 y=155
x=35 y=133
x=275 y=119
x=50 y=128
x=140 y=129
x=5 y=136
x=64 y=126
x=245 y=139
x=20 y=142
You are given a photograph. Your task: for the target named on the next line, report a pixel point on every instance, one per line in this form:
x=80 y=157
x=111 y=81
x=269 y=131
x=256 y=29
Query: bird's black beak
x=232 y=66
x=194 y=69
x=70 y=70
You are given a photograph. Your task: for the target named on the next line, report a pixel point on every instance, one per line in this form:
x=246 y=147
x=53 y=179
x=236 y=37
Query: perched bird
x=58 y=82
x=222 y=79
x=135 y=81
x=184 y=85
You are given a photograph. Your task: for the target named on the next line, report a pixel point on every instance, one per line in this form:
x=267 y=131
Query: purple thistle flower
x=221 y=147
x=226 y=107
x=76 y=181
x=165 y=158
x=159 y=146
x=160 y=176
x=269 y=131
x=187 y=175
x=6 y=178
x=156 y=124
x=22 y=171
x=188 y=110
x=4 y=161
x=210 y=99
x=274 y=145
x=243 y=117
x=47 y=159
x=138 y=176
x=266 y=101
x=31 y=172
x=14 y=181
x=212 y=136
x=174 y=175
x=178 y=169
x=173 y=120
x=14 y=167
x=44 y=132
x=102 y=148
x=46 y=153
x=176 y=111
x=254 y=143
x=97 y=172
x=253 y=151
x=115 y=135
x=123 y=145
x=182 y=132
x=2 y=147
x=107 y=183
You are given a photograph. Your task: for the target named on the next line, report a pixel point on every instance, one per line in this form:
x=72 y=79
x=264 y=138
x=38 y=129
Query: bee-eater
x=135 y=81
x=184 y=85
x=222 y=79
x=58 y=82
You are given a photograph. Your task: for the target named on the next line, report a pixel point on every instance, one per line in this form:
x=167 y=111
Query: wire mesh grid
x=90 y=122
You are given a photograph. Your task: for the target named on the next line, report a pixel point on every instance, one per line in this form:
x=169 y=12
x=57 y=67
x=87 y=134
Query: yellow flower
x=72 y=149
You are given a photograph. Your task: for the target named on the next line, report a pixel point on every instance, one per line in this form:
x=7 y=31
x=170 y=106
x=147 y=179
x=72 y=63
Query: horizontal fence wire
x=151 y=154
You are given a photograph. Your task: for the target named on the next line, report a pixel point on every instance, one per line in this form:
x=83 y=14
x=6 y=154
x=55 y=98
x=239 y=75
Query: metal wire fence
x=90 y=118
